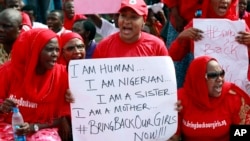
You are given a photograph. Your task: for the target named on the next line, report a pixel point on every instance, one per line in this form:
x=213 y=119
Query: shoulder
x=151 y=38
x=109 y=39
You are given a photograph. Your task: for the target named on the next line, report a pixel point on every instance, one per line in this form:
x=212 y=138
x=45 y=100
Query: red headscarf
x=44 y=90
x=64 y=39
x=195 y=85
x=208 y=12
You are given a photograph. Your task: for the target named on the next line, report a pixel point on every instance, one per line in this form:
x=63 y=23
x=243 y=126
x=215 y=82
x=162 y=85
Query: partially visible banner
x=97 y=6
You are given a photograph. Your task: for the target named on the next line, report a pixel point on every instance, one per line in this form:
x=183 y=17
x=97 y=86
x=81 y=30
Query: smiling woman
x=33 y=76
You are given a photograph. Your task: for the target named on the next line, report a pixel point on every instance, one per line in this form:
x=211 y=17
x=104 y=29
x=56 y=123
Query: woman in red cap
x=34 y=82
x=130 y=41
x=210 y=105
x=72 y=47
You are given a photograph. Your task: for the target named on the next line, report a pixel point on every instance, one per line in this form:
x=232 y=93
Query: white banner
x=125 y=99
x=219 y=42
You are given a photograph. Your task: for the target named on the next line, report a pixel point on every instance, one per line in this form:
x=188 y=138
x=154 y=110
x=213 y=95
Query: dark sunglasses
x=213 y=75
x=79 y=47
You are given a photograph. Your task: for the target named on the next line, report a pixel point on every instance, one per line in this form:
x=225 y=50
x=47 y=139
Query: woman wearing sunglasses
x=210 y=105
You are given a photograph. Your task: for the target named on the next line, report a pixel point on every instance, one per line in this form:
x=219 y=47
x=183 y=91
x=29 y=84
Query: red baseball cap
x=139 y=6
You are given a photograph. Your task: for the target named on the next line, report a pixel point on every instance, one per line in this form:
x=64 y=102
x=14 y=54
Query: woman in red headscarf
x=72 y=47
x=210 y=105
x=35 y=83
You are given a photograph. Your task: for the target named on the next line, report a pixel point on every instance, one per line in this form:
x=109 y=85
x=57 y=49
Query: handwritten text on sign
x=123 y=99
x=97 y=6
x=219 y=41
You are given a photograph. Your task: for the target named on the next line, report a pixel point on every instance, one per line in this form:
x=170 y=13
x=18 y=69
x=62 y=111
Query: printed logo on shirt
x=132 y=2
x=22 y=102
x=196 y=125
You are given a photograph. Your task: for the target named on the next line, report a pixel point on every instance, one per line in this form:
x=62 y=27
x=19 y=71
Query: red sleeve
x=26 y=20
x=65 y=108
x=179 y=49
x=4 y=81
x=170 y=3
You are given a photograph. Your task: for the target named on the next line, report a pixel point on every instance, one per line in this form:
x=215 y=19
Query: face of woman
x=74 y=49
x=48 y=56
x=242 y=6
x=220 y=7
x=215 y=78
x=130 y=25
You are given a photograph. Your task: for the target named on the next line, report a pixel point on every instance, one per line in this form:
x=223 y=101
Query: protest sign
x=219 y=42
x=125 y=99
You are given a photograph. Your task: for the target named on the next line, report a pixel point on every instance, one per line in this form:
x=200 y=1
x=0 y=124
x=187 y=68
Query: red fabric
x=205 y=118
x=178 y=50
x=246 y=17
x=64 y=38
x=185 y=8
x=171 y=3
x=147 y=45
x=208 y=12
x=68 y=23
x=39 y=96
x=139 y=6
x=26 y=20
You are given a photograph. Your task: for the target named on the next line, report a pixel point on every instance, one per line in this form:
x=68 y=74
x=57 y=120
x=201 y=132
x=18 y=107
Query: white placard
x=219 y=42
x=125 y=99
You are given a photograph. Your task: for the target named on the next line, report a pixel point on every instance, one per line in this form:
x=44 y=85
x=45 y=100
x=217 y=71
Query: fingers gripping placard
x=123 y=99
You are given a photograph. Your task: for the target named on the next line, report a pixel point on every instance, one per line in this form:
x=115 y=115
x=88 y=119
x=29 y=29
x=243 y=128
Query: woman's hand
x=69 y=97
x=191 y=33
x=24 y=129
x=179 y=106
x=243 y=38
x=7 y=105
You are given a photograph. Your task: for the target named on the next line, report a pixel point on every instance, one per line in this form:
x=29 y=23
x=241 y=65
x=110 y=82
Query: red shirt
x=68 y=23
x=26 y=22
x=246 y=17
x=147 y=45
x=198 y=124
x=206 y=118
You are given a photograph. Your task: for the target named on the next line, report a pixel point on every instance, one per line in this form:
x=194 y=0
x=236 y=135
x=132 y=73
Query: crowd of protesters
x=38 y=38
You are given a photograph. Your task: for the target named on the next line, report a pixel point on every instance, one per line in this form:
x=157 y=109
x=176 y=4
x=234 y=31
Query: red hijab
x=208 y=11
x=196 y=91
x=41 y=89
x=195 y=85
x=64 y=39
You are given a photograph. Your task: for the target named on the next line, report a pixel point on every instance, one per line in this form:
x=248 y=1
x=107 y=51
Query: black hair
x=89 y=26
x=60 y=14
x=30 y=8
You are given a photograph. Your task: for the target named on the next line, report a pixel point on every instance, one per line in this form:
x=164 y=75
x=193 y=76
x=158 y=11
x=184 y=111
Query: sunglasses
x=215 y=75
x=72 y=48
